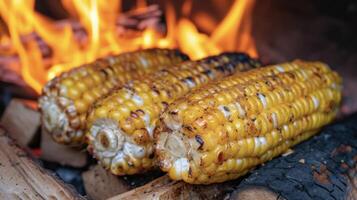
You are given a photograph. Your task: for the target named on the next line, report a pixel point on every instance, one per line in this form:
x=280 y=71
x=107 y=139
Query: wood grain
x=165 y=189
x=22 y=178
x=101 y=184
x=21 y=120
x=62 y=154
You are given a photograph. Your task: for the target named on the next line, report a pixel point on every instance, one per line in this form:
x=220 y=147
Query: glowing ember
x=100 y=36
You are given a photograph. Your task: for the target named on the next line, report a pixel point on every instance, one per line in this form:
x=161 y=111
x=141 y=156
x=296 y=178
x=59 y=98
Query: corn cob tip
x=113 y=147
x=175 y=153
x=174 y=150
x=55 y=120
x=56 y=113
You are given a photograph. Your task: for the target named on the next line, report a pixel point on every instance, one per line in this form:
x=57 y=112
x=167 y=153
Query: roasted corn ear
x=121 y=126
x=67 y=98
x=224 y=129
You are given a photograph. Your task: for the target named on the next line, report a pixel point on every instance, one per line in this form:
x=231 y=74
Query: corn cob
x=224 y=129
x=120 y=131
x=66 y=99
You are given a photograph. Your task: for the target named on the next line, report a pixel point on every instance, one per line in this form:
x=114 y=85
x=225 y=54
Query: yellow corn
x=120 y=126
x=224 y=129
x=66 y=99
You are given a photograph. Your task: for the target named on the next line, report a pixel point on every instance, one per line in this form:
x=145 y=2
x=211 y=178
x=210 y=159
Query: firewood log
x=21 y=120
x=164 y=188
x=22 y=178
x=101 y=184
x=62 y=154
x=97 y=179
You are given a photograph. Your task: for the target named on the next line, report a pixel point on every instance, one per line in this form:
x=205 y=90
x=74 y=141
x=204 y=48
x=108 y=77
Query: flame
x=233 y=30
x=100 y=37
x=196 y=44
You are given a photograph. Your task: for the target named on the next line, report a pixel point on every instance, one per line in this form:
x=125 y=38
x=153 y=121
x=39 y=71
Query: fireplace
x=41 y=39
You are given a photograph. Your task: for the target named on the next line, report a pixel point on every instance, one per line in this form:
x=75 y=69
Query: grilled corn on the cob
x=120 y=131
x=66 y=99
x=223 y=129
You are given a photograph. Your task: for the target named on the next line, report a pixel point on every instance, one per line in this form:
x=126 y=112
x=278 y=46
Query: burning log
x=141 y=19
x=324 y=167
x=10 y=70
x=22 y=178
x=21 y=120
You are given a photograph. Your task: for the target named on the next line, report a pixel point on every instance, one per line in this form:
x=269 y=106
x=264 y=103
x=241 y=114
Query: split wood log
x=21 y=120
x=62 y=154
x=22 y=178
x=97 y=181
x=324 y=167
x=159 y=188
x=164 y=188
x=101 y=184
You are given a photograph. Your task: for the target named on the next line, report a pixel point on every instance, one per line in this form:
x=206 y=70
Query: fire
x=98 y=34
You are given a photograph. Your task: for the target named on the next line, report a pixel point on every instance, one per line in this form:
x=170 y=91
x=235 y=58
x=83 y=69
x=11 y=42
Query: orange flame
x=98 y=19
x=233 y=33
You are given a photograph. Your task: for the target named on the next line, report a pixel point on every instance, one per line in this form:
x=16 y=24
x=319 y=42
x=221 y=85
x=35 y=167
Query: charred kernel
x=140 y=112
x=220 y=157
x=141 y=136
x=189 y=128
x=199 y=141
x=134 y=115
x=201 y=122
x=151 y=156
x=165 y=104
